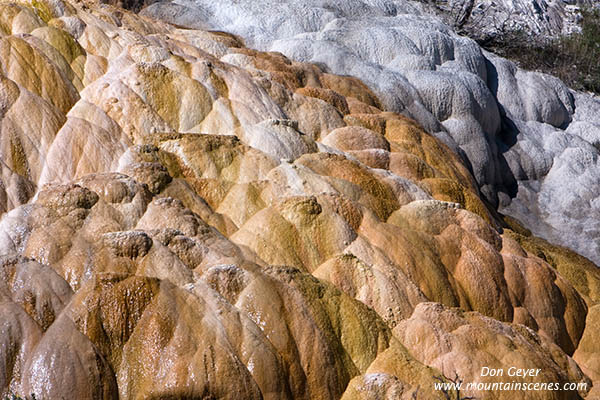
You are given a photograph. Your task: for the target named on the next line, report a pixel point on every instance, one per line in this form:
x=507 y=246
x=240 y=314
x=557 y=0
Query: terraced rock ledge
x=184 y=217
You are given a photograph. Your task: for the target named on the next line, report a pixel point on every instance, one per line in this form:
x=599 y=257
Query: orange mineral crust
x=183 y=217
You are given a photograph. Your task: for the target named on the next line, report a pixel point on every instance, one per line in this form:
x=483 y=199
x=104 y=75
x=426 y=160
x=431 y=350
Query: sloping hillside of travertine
x=185 y=217
x=531 y=143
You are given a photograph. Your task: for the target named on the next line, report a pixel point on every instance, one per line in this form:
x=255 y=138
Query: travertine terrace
x=185 y=217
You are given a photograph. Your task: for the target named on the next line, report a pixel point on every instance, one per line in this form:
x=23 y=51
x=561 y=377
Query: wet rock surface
x=528 y=140
x=185 y=217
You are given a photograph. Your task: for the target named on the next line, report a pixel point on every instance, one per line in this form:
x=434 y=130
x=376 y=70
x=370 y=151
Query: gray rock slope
x=486 y=19
x=531 y=142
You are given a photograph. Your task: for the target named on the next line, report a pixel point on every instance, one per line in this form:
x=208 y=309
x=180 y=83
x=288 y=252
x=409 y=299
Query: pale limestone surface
x=185 y=217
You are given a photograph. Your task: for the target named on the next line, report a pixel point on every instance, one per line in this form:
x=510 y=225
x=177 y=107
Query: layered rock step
x=185 y=217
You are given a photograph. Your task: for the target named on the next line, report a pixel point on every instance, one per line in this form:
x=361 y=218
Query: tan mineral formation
x=183 y=217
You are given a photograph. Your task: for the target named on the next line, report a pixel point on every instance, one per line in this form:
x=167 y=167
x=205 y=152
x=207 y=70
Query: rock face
x=537 y=19
x=186 y=217
x=468 y=343
x=529 y=141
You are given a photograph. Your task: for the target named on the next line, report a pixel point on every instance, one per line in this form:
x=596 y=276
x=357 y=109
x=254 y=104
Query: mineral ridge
x=186 y=215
